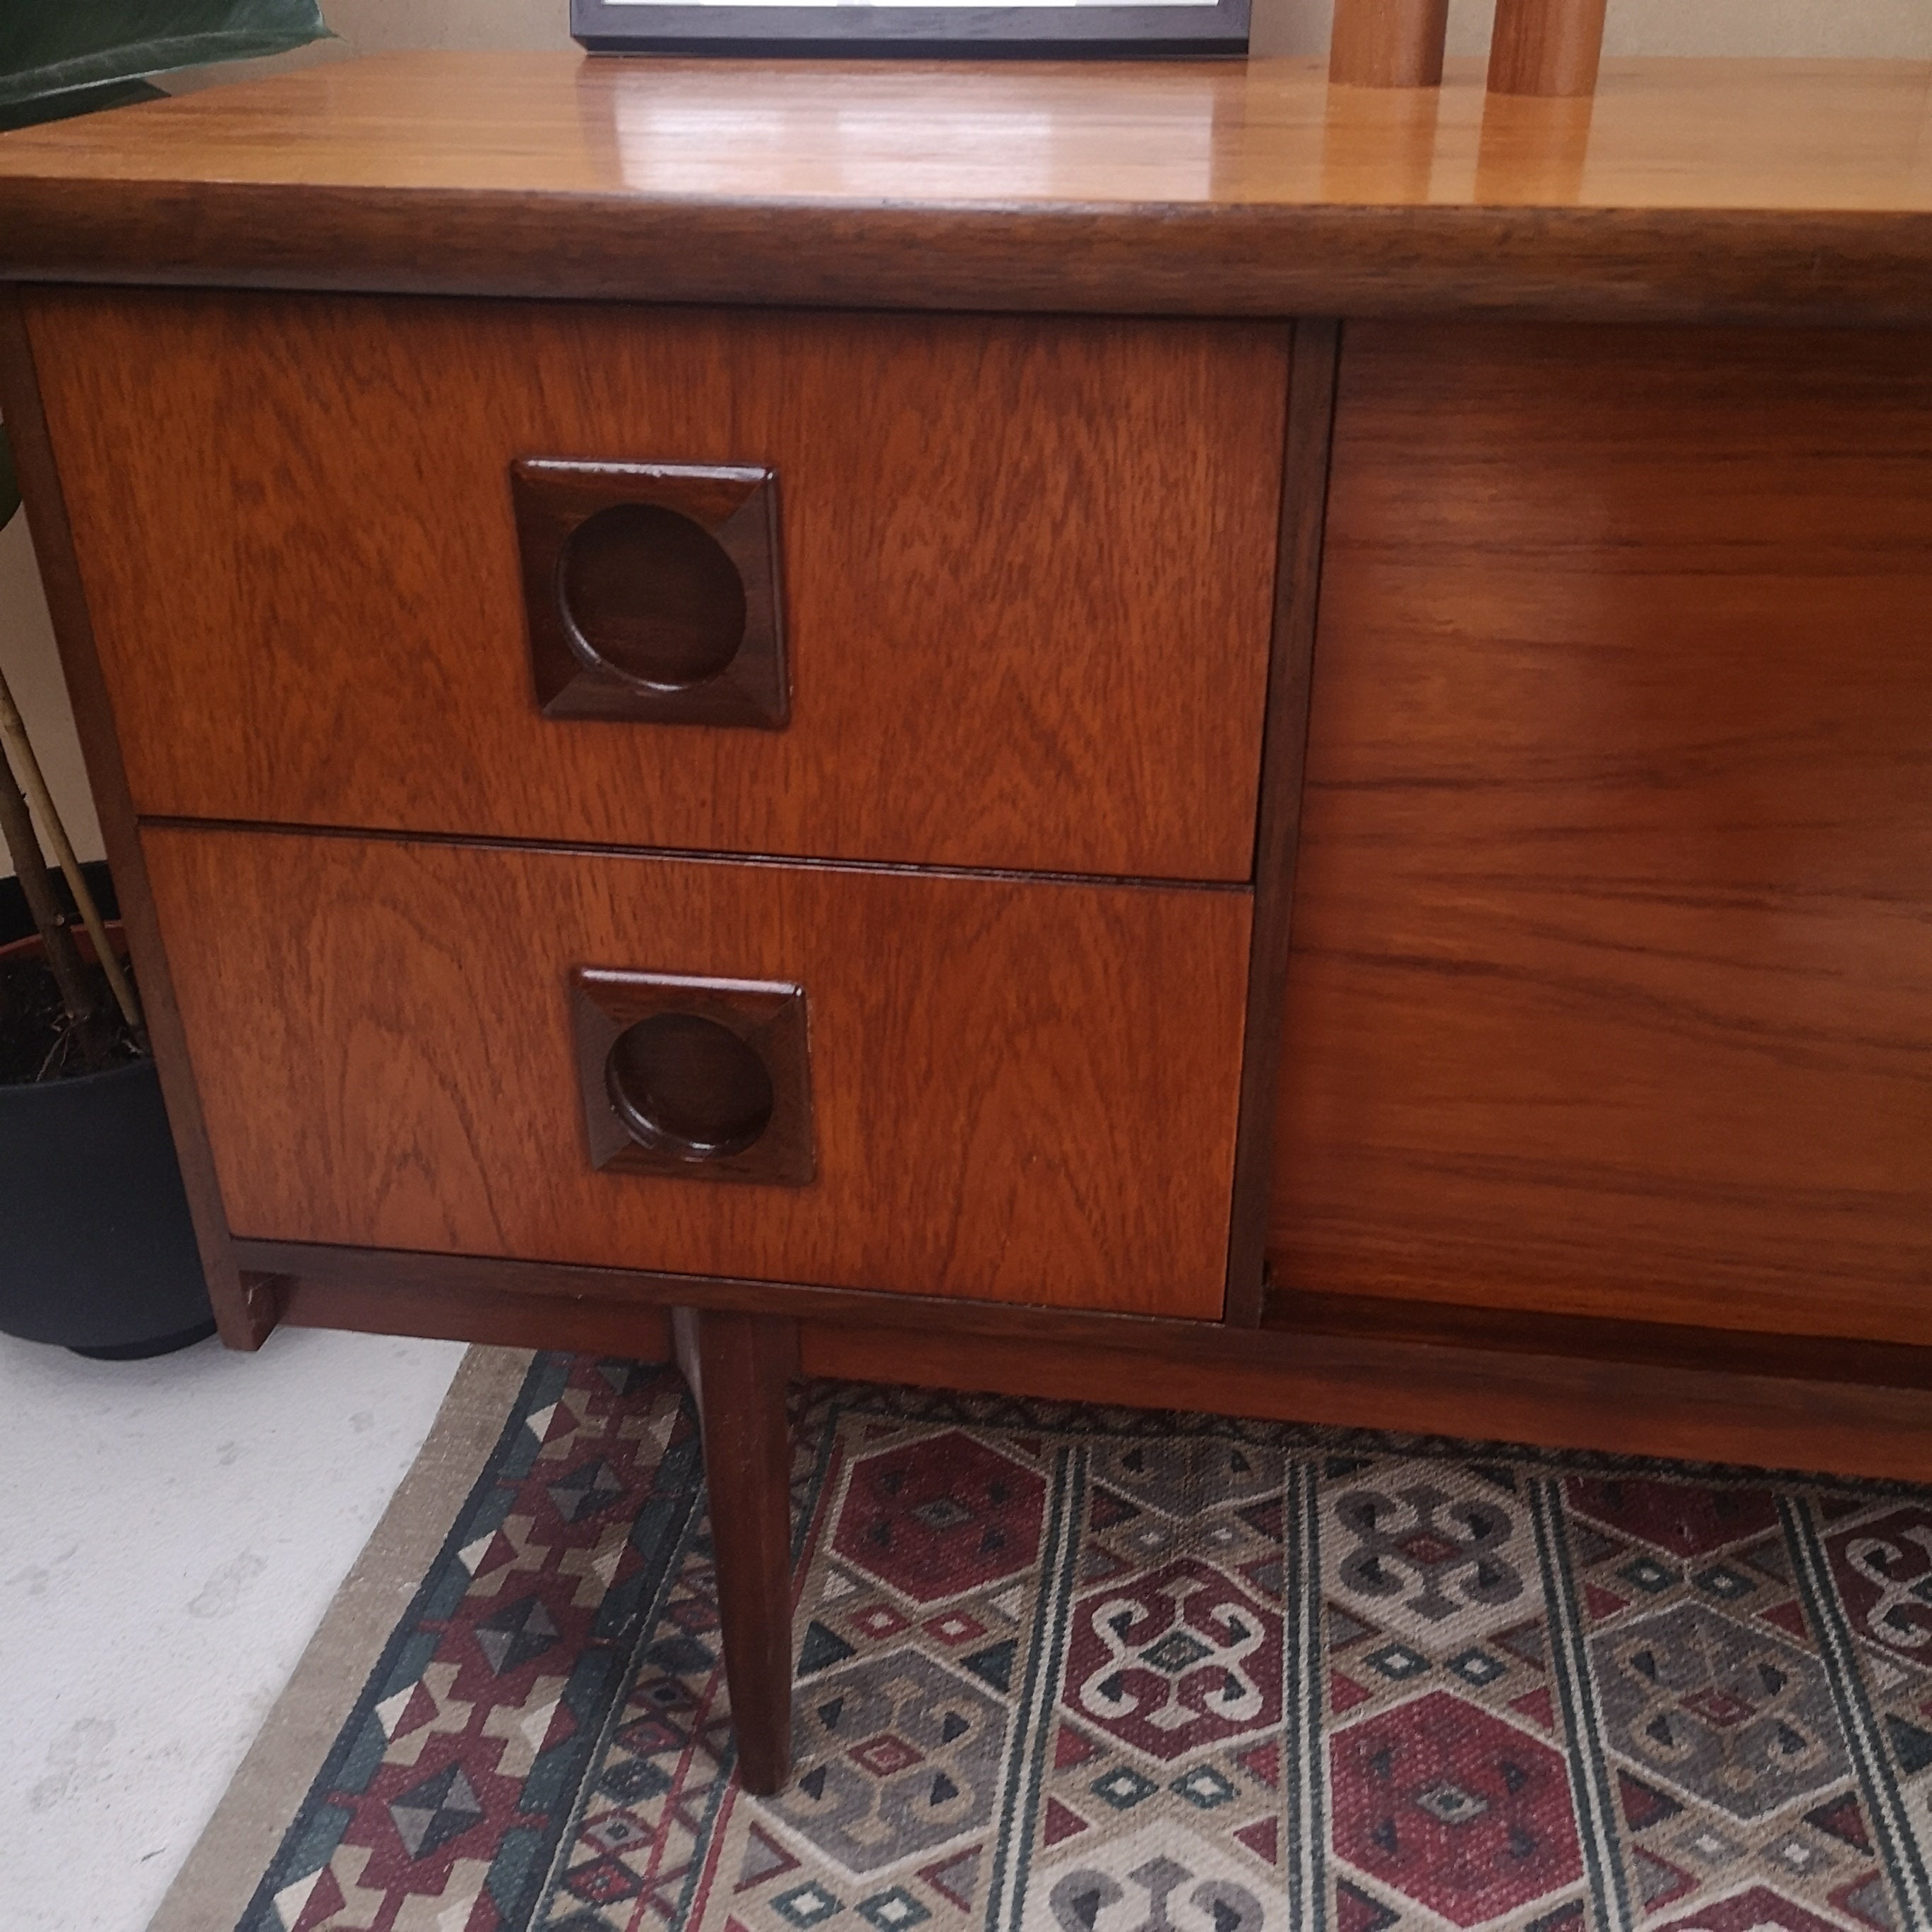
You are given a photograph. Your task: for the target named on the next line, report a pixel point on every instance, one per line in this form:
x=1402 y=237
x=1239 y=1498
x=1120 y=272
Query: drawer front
x=1001 y=1090
x=1610 y=991
x=1025 y=571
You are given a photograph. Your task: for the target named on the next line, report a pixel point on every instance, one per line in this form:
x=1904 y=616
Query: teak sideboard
x=1149 y=732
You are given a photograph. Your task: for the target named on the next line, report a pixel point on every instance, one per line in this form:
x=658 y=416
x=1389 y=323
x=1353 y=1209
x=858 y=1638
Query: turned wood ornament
x=1388 y=43
x=1548 y=47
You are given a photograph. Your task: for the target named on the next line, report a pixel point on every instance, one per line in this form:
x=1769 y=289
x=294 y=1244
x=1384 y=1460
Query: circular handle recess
x=652 y=596
x=685 y=1086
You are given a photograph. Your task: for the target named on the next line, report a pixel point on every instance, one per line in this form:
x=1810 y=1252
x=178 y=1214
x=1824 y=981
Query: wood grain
x=1292 y=1318
x=1862 y=1409
x=1388 y=43
x=1609 y=993
x=1297 y=591
x=743 y=1363
x=1021 y=1092
x=244 y=1308
x=1029 y=566
x=1550 y=47
x=1558 y=1401
x=456 y=1309
x=1708 y=189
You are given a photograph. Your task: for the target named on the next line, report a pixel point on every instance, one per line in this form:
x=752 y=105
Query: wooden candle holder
x=1550 y=47
x=1546 y=46
x=1388 y=43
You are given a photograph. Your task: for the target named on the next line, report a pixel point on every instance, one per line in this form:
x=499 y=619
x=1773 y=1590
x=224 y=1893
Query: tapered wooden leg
x=738 y=1366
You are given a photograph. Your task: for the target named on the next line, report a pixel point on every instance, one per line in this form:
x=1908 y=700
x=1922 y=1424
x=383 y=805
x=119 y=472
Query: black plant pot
x=96 y=1252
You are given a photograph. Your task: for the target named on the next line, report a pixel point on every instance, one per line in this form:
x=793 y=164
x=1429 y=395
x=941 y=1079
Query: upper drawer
x=1026 y=564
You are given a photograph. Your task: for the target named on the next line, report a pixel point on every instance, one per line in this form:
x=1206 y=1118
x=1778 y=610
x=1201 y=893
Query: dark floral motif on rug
x=1082 y=1669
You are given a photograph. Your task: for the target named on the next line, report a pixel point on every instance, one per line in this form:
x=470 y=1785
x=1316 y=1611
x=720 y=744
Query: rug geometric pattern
x=1067 y=1668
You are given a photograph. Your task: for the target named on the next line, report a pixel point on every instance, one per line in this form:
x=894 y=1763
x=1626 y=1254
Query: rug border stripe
x=1033 y=1711
x=1605 y=1878
x=1901 y=1860
x=1305 y=1684
x=570 y=1826
x=230 y=1862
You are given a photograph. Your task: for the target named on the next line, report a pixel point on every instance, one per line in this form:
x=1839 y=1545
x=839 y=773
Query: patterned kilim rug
x=1068 y=1669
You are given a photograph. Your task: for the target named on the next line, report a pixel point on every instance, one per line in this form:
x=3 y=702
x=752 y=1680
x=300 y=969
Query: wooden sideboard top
x=1687 y=190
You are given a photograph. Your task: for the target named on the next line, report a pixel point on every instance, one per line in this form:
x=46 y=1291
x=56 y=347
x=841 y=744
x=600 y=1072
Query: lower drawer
x=1019 y=1091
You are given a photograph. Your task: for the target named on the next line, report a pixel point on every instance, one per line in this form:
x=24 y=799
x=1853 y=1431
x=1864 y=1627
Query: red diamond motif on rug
x=1172 y=1661
x=1448 y=1805
x=1118 y=1707
x=941 y=1515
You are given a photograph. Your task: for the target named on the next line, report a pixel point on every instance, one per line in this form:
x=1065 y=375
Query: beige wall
x=1870 y=28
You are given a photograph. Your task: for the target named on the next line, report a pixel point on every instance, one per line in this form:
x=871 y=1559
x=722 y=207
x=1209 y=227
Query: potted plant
x=96 y=1252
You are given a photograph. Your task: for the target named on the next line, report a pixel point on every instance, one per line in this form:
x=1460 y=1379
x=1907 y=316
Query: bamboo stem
x=16 y=828
x=20 y=753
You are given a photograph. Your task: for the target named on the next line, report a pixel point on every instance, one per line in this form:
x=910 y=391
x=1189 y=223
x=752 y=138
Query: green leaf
x=59 y=46
x=9 y=486
x=81 y=100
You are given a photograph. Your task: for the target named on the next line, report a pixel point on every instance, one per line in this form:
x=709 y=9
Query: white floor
x=170 y=1534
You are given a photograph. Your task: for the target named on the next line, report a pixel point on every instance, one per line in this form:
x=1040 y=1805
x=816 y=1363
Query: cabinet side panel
x=1612 y=983
x=245 y=1306
x=1020 y=1092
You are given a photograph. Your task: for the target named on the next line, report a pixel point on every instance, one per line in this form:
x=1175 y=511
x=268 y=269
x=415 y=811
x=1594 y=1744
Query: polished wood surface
x=1029 y=566
x=244 y=1310
x=1784 y=1403
x=710 y=1079
x=740 y=1366
x=1695 y=189
x=1553 y=47
x=1561 y=1401
x=1388 y=43
x=654 y=591
x=1304 y=501
x=1290 y=1317
x=1021 y=1092
x=457 y=1310
x=1609 y=989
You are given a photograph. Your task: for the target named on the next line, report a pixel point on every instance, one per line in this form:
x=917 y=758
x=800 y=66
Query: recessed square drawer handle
x=705 y=1079
x=653 y=591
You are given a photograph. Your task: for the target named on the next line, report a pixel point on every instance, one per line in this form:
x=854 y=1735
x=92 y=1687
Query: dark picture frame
x=1090 y=29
